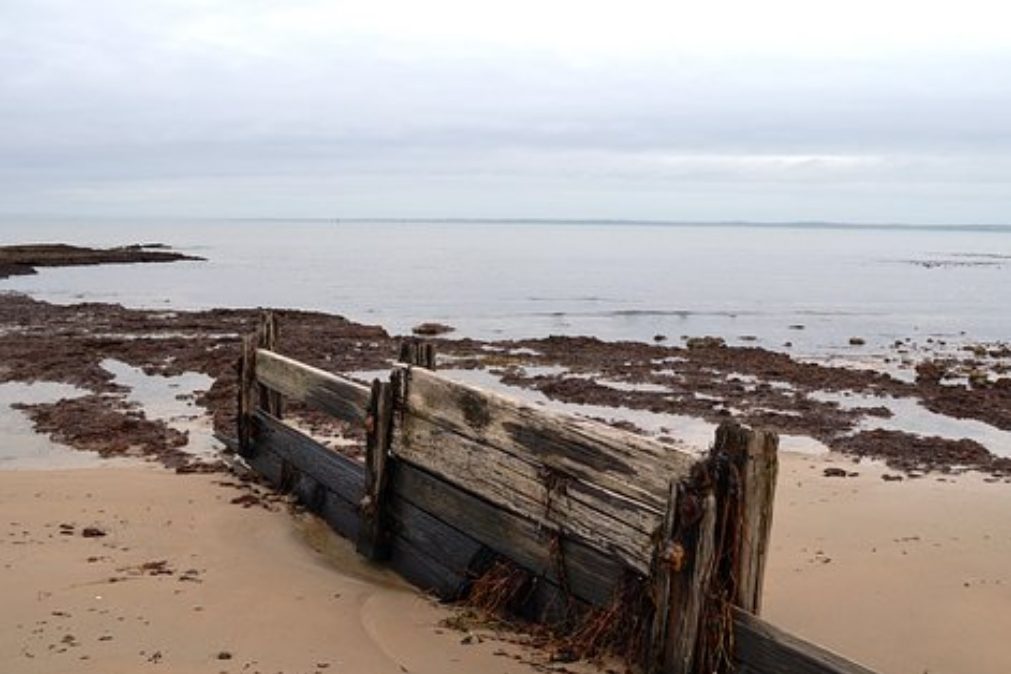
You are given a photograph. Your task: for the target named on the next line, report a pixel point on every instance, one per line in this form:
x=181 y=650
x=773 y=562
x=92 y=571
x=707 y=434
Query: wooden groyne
x=615 y=540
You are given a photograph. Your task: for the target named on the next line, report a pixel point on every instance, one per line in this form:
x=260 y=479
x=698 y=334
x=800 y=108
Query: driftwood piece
x=690 y=583
x=341 y=397
x=414 y=351
x=620 y=462
x=373 y=538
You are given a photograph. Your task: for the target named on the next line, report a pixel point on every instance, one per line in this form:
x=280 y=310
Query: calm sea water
x=617 y=281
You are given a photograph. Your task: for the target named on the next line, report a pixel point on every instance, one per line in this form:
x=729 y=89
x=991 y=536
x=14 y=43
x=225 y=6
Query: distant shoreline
x=1000 y=228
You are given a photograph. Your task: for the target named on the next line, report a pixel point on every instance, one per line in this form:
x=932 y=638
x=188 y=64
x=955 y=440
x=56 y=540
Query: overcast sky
x=778 y=110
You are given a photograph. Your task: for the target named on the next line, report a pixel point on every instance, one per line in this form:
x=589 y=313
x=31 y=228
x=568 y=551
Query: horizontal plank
x=765 y=649
x=337 y=473
x=606 y=521
x=425 y=570
x=432 y=554
x=624 y=463
x=343 y=398
x=590 y=574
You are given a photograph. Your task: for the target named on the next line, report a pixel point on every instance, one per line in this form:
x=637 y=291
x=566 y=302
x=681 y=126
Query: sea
x=809 y=288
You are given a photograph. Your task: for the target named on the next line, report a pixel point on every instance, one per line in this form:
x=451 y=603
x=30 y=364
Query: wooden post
x=267 y=338
x=414 y=351
x=694 y=561
x=373 y=534
x=666 y=560
x=247 y=395
x=752 y=458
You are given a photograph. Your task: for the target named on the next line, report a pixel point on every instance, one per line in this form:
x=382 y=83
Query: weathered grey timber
x=589 y=574
x=267 y=337
x=247 y=393
x=599 y=518
x=626 y=464
x=765 y=649
x=758 y=466
x=373 y=538
x=343 y=398
x=414 y=351
x=689 y=587
x=456 y=477
x=667 y=558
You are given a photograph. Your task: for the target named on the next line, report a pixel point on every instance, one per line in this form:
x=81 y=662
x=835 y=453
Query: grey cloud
x=109 y=107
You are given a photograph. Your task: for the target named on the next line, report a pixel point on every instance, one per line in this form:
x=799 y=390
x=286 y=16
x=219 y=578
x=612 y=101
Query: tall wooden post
x=246 y=395
x=751 y=464
x=373 y=533
x=689 y=596
x=761 y=467
x=267 y=339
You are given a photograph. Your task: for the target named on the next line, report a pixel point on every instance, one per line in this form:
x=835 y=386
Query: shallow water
x=910 y=416
x=166 y=398
x=21 y=448
x=170 y=399
x=494 y=280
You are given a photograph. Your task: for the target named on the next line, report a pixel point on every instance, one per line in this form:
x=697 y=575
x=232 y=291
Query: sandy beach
x=185 y=581
x=909 y=576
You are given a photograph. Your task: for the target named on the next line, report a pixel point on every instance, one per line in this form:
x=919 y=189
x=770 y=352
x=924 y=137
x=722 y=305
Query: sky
x=862 y=111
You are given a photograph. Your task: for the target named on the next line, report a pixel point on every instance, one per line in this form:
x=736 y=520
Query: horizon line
x=771 y=224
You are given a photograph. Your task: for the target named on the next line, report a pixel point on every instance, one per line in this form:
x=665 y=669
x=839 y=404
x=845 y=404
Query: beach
x=183 y=580
x=889 y=542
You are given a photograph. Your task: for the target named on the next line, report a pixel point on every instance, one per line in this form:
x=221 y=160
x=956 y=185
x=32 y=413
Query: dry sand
x=904 y=577
x=271 y=592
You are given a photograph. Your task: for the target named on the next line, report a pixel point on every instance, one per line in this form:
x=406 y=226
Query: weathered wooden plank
x=340 y=514
x=607 y=521
x=373 y=540
x=589 y=574
x=766 y=649
x=689 y=589
x=454 y=548
x=425 y=571
x=621 y=462
x=336 y=395
x=266 y=463
x=446 y=514
x=342 y=475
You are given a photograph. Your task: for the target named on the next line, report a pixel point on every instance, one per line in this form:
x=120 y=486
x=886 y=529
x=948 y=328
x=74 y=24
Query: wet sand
x=910 y=576
x=185 y=581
